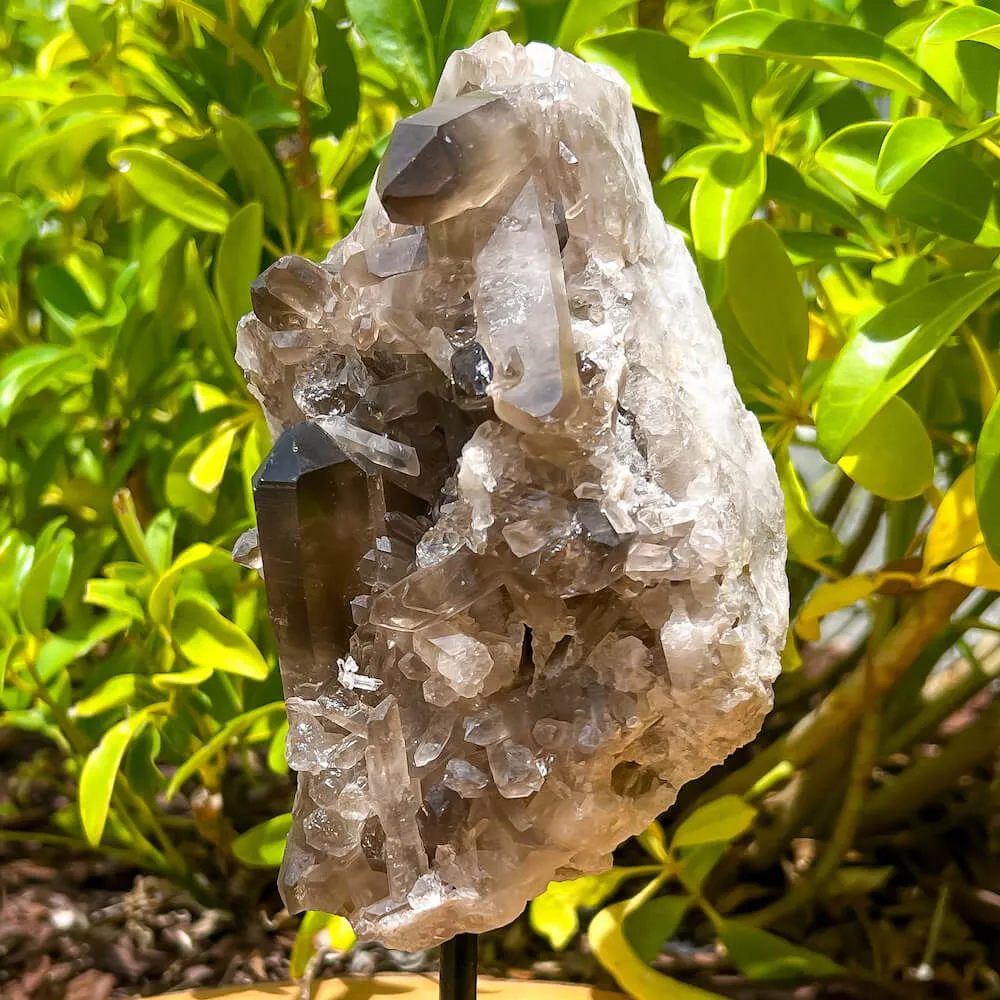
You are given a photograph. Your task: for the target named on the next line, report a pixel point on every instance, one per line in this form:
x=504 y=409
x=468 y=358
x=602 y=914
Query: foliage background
x=833 y=164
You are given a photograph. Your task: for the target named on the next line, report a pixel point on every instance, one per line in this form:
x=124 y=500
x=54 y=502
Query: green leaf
x=253 y=164
x=207 y=639
x=653 y=923
x=892 y=457
x=262 y=846
x=115 y=595
x=457 y=24
x=31 y=369
x=581 y=17
x=59 y=651
x=720 y=820
x=786 y=185
x=398 y=34
x=291 y=48
x=276 y=749
x=609 y=943
x=821 y=248
x=173 y=187
x=337 y=934
x=554 y=914
x=767 y=300
x=950 y=194
x=97 y=778
x=838 y=48
x=45 y=584
x=889 y=350
x=808 y=537
x=339 y=73
x=910 y=144
x=159 y=598
x=208 y=468
x=665 y=79
x=192 y=677
x=113 y=693
x=237 y=262
x=160 y=539
x=208 y=750
x=725 y=197
x=211 y=325
x=988 y=480
x=761 y=955
x=698 y=862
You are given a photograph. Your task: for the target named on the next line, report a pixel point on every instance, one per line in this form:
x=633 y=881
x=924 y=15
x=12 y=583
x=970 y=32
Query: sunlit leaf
x=892 y=456
x=720 y=820
x=263 y=845
x=206 y=638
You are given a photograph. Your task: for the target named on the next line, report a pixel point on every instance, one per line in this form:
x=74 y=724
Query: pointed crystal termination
x=451 y=157
x=523 y=544
x=530 y=346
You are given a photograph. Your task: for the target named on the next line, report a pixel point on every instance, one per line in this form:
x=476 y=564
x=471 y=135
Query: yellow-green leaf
x=263 y=845
x=720 y=820
x=554 y=914
x=100 y=769
x=808 y=537
x=336 y=932
x=892 y=457
x=759 y=954
x=159 y=598
x=173 y=188
x=955 y=528
x=767 y=300
x=830 y=597
x=238 y=261
x=609 y=943
x=206 y=638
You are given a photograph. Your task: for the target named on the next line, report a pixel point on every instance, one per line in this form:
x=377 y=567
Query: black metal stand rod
x=459 y=967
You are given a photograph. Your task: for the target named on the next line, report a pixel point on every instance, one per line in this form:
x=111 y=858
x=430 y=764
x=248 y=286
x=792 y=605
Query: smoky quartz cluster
x=523 y=545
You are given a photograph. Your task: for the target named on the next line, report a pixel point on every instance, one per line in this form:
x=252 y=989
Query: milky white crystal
x=523 y=545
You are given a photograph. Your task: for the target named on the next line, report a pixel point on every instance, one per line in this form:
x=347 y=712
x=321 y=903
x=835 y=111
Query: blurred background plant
x=833 y=164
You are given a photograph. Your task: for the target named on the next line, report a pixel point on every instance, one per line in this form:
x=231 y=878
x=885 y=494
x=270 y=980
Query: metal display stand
x=459 y=967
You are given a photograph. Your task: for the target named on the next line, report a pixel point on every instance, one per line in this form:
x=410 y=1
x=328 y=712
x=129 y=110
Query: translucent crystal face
x=522 y=543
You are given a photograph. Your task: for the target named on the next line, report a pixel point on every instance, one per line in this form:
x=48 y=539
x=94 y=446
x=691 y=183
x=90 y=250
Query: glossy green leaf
x=988 y=480
x=767 y=300
x=910 y=144
x=949 y=194
x=58 y=651
x=808 y=537
x=173 y=188
x=253 y=164
x=664 y=78
x=725 y=197
x=276 y=749
x=100 y=769
x=609 y=943
x=889 y=350
x=720 y=820
x=761 y=955
x=456 y=24
x=160 y=539
x=262 y=846
x=822 y=248
x=839 y=48
x=192 y=677
x=400 y=37
x=208 y=639
x=892 y=456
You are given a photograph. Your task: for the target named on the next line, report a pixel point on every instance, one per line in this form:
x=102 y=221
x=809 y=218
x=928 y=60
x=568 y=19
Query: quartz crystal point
x=523 y=545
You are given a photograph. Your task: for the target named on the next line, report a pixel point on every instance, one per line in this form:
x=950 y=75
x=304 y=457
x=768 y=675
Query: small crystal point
x=292 y=292
x=451 y=157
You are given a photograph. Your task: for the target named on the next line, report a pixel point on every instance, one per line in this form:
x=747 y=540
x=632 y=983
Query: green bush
x=834 y=166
